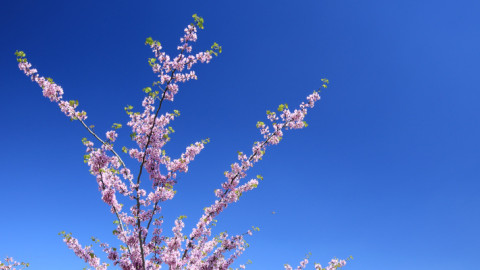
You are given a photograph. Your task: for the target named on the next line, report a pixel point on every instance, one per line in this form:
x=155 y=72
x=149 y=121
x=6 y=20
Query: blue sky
x=387 y=170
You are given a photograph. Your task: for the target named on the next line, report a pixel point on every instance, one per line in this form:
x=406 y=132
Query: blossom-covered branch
x=10 y=264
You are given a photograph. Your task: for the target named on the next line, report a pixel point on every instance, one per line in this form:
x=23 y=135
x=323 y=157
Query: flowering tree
x=139 y=228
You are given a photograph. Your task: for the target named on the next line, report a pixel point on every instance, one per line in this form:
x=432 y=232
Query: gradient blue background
x=387 y=171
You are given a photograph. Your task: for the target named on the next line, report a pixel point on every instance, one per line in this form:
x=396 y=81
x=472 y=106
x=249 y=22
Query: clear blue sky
x=387 y=171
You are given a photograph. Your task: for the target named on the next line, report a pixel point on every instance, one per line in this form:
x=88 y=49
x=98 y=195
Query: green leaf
x=281 y=107
x=116 y=125
x=215 y=49
x=198 y=20
x=149 y=41
x=20 y=54
x=151 y=61
x=325 y=83
x=125 y=149
x=147 y=90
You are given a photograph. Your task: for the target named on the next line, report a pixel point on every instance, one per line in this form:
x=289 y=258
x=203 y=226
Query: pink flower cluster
x=10 y=264
x=151 y=131
x=51 y=90
x=84 y=253
x=332 y=265
x=170 y=70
